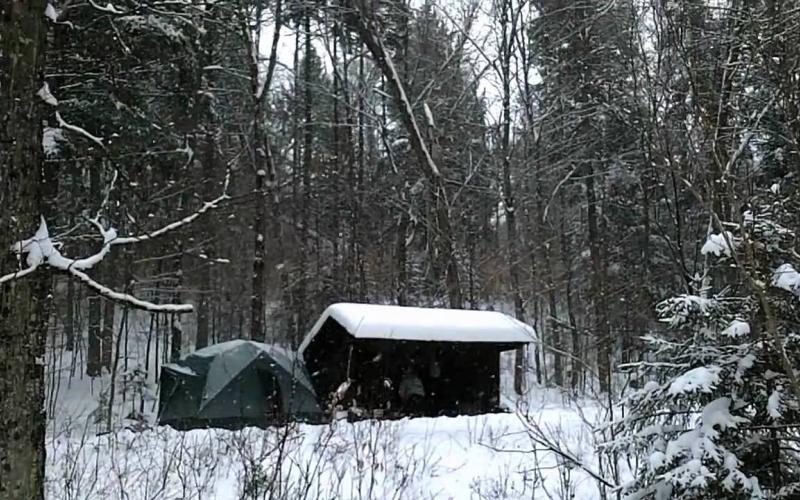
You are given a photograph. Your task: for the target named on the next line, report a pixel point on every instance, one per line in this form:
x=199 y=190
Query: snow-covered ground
x=482 y=457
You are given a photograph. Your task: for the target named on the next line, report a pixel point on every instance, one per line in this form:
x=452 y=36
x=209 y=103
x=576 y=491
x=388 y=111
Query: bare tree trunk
x=257 y=330
x=150 y=332
x=107 y=325
x=543 y=232
x=404 y=220
x=107 y=334
x=402 y=260
x=360 y=162
x=94 y=363
x=176 y=340
x=576 y=367
x=508 y=28
x=23 y=303
x=264 y=167
x=533 y=221
x=365 y=26
x=206 y=132
x=308 y=141
x=203 y=308
x=156 y=358
x=114 y=368
x=533 y=213
x=553 y=328
x=552 y=313
x=340 y=273
x=94 y=355
x=602 y=332
x=69 y=320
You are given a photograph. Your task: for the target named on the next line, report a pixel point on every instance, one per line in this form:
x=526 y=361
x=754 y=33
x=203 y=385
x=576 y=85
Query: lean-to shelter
x=370 y=357
x=235 y=384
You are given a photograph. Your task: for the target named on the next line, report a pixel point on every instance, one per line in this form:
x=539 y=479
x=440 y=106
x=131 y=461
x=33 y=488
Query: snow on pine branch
x=719 y=244
x=702 y=379
x=787 y=278
x=51 y=13
x=737 y=328
x=695 y=458
x=41 y=250
x=774 y=404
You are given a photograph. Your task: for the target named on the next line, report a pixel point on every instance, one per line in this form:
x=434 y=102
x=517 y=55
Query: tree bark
x=302 y=295
x=107 y=326
x=257 y=330
x=206 y=131
x=403 y=219
x=107 y=335
x=176 y=340
x=94 y=361
x=576 y=366
x=22 y=302
x=264 y=168
x=69 y=320
x=602 y=332
x=512 y=245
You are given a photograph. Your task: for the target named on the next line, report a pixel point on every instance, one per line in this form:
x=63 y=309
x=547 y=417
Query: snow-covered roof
x=370 y=321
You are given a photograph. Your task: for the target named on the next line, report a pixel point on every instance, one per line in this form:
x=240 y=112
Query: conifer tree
x=715 y=418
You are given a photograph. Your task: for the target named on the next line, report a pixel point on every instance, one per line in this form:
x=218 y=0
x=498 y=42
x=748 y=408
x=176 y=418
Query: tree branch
x=40 y=250
x=126 y=298
x=175 y=225
x=18 y=274
x=79 y=130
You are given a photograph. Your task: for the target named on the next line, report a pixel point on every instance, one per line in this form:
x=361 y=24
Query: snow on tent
x=235 y=384
x=372 y=358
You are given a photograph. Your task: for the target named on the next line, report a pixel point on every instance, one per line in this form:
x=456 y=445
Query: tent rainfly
x=234 y=384
x=371 y=349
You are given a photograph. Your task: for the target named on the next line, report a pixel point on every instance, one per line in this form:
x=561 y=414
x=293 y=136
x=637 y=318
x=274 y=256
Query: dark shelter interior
x=457 y=378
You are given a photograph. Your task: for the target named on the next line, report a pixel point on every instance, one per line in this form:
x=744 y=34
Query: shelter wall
x=467 y=382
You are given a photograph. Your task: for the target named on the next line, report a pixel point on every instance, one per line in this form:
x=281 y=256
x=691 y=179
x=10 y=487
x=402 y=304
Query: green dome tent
x=235 y=384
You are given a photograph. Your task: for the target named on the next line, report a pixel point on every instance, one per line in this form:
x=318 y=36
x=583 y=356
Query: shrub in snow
x=716 y=417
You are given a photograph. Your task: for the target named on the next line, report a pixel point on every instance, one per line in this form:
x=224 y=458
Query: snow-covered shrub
x=717 y=416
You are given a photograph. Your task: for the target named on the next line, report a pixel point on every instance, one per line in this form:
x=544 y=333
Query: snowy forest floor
x=97 y=454
x=484 y=457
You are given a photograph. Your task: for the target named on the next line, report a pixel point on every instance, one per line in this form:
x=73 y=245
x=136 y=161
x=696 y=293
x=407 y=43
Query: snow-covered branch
x=40 y=250
x=82 y=131
x=110 y=190
x=126 y=298
x=109 y=8
x=209 y=205
x=18 y=274
x=46 y=95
